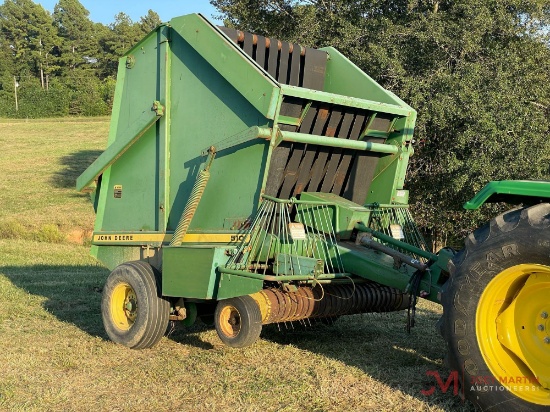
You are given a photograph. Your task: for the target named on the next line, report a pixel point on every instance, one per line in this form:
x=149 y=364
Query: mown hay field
x=54 y=354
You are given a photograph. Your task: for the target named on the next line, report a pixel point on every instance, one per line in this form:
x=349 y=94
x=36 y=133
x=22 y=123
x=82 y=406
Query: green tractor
x=250 y=181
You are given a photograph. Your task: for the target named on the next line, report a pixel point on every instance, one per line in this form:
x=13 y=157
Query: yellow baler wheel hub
x=230 y=321
x=123 y=306
x=513 y=330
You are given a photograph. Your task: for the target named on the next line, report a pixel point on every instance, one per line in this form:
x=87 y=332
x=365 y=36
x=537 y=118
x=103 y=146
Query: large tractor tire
x=134 y=313
x=238 y=321
x=496 y=312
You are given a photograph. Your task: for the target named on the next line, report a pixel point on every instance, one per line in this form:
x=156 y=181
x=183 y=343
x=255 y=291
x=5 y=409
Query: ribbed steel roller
x=326 y=301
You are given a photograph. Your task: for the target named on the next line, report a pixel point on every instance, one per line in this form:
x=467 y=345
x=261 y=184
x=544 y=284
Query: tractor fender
x=511 y=191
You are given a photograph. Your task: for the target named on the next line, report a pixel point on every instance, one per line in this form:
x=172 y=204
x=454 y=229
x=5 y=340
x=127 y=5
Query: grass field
x=54 y=354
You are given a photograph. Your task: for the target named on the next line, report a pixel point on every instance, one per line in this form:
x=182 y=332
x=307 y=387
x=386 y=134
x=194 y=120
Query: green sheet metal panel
x=137 y=89
x=206 y=110
x=112 y=256
x=135 y=181
x=187 y=272
x=345 y=78
x=190 y=272
x=231 y=286
x=239 y=69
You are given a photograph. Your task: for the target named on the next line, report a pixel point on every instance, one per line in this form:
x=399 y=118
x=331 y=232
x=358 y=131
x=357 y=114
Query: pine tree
x=80 y=46
x=149 y=22
x=28 y=33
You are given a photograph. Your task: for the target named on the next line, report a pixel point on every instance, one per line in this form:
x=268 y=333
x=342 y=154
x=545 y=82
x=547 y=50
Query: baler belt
x=261 y=51
x=362 y=173
x=314 y=69
x=323 y=152
x=334 y=161
x=284 y=55
x=343 y=167
x=307 y=161
x=288 y=63
x=248 y=46
x=293 y=170
x=299 y=167
x=272 y=59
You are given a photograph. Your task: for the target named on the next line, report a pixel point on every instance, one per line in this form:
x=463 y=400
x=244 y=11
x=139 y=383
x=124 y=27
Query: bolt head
x=540 y=327
x=547 y=340
x=544 y=315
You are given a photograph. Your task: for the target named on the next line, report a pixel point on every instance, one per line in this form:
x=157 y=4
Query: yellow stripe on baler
x=116 y=238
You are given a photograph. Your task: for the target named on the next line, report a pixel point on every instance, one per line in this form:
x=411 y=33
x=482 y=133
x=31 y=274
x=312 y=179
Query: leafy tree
x=66 y=50
x=123 y=33
x=478 y=73
x=80 y=46
x=28 y=33
x=149 y=22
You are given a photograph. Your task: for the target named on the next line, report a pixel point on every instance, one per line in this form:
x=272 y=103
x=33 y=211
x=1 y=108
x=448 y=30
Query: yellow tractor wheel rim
x=123 y=306
x=513 y=331
x=230 y=321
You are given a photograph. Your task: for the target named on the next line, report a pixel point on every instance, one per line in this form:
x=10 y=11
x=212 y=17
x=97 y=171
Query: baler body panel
x=209 y=109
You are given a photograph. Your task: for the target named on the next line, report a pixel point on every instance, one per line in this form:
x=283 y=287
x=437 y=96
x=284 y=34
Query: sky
x=103 y=11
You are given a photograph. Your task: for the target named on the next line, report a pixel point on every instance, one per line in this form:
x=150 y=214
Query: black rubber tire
x=519 y=236
x=244 y=325
x=152 y=312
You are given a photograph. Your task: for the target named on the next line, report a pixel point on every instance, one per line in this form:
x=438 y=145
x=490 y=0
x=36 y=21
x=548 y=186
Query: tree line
x=61 y=63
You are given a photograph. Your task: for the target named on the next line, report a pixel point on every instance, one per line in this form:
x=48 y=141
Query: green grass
x=55 y=355
x=40 y=162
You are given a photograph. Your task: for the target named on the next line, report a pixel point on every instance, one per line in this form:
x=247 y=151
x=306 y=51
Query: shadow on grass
x=73 y=166
x=379 y=345
x=73 y=295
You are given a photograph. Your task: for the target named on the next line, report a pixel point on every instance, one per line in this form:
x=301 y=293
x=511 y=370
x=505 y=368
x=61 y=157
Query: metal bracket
x=278 y=139
x=158 y=108
x=130 y=61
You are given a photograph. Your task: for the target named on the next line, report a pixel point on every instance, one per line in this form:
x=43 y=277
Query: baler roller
x=325 y=301
x=240 y=37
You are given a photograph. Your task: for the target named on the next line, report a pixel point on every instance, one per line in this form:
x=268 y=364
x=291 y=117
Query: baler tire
x=238 y=321
x=505 y=264
x=134 y=313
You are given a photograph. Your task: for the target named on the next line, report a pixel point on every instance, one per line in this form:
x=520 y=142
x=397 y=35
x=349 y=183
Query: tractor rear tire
x=134 y=313
x=496 y=312
x=238 y=321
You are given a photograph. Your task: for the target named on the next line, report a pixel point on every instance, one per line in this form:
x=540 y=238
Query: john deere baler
x=251 y=181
